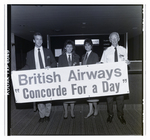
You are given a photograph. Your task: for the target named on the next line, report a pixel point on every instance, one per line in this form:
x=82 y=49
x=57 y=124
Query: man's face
x=88 y=47
x=38 y=40
x=69 y=48
x=114 y=40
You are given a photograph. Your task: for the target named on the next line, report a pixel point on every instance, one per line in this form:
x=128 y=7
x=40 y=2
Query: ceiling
x=75 y=19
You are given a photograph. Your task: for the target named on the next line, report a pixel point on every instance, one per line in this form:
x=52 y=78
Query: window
x=81 y=41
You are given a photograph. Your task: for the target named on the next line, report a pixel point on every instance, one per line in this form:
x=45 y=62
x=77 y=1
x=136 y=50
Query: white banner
x=70 y=82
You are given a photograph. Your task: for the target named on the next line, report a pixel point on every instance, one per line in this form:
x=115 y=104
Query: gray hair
x=113 y=34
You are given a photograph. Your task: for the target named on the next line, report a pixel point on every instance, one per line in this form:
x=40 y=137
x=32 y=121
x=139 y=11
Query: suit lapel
x=66 y=60
x=89 y=58
x=73 y=59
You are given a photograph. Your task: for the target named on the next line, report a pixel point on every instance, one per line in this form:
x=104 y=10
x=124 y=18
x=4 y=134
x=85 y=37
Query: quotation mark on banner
x=124 y=80
x=16 y=90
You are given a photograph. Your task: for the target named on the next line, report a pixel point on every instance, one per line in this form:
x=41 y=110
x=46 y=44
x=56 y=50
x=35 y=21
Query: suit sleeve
x=60 y=61
x=53 y=62
x=27 y=65
x=96 y=58
x=82 y=59
x=77 y=57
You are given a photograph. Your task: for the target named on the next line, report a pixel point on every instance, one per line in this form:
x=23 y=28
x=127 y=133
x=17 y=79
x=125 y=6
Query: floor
x=24 y=121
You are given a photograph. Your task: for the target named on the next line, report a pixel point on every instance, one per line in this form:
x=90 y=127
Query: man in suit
x=90 y=58
x=40 y=58
x=115 y=53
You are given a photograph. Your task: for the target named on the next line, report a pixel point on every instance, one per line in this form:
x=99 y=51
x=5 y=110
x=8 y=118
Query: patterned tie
x=85 y=59
x=40 y=59
x=116 y=55
x=69 y=61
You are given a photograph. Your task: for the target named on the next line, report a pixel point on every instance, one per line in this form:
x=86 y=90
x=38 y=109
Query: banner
x=74 y=82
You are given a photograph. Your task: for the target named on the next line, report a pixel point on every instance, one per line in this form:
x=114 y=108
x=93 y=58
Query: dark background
x=63 y=22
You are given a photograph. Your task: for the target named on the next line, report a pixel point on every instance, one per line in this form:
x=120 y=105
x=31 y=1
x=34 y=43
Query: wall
x=57 y=42
x=22 y=47
x=135 y=48
x=135 y=72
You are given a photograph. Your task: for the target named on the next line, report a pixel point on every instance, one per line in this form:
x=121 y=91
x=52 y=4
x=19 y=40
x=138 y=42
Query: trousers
x=44 y=109
x=119 y=102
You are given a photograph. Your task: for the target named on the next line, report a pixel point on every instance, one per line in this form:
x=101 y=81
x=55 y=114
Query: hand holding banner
x=70 y=82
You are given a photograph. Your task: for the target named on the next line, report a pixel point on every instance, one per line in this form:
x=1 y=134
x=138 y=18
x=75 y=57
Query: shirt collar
x=89 y=52
x=36 y=48
x=114 y=47
x=68 y=54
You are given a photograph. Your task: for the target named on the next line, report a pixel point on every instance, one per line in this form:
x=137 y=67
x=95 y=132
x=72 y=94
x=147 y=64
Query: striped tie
x=40 y=59
x=69 y=61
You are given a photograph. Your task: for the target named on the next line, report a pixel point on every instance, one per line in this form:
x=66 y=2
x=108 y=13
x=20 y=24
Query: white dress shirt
x=108 y=54
x=37 y=64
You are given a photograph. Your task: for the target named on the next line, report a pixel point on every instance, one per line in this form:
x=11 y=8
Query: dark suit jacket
x=30 y=60
x=92 y=59
x=63 y=62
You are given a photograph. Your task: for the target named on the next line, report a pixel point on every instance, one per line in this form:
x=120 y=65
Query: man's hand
x=74 y=63
x=99 y=62
x=47 y=67
x=127 y=61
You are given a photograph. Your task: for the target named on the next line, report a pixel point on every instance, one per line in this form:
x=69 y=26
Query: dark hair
x=37 y=33
x=69 y=42
x=89 y=41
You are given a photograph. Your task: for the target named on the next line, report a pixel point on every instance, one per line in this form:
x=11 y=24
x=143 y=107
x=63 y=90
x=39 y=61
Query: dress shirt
x=109 y=54
x=37 y=64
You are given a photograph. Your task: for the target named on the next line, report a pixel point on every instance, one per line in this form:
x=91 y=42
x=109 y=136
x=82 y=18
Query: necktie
x=69 y=61
x=85 y=59
x=116 y=55
x=40 y=59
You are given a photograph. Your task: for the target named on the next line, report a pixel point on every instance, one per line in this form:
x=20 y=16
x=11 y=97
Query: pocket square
x=48 y=57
